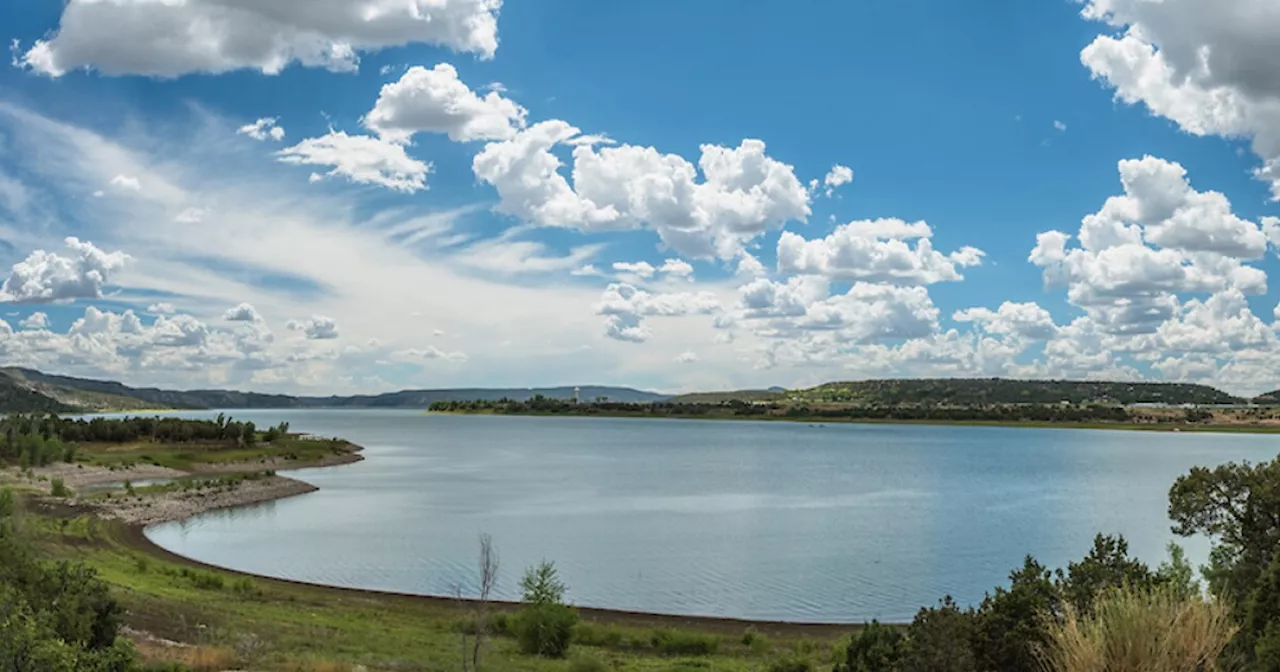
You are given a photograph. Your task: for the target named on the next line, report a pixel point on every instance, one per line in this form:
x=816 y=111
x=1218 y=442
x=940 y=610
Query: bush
x=58 y=488
x=874 y=648
x=797 y=665
x=1133 y=629
x=604 y=636
x=678 y=642
x=545 y=629
x=939 y=640
x=587 y=664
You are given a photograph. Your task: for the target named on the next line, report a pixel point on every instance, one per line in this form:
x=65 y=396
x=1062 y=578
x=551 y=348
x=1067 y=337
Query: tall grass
x=1140 y=631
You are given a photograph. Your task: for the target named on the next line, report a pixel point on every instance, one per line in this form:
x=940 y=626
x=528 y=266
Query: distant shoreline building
x=576 y=394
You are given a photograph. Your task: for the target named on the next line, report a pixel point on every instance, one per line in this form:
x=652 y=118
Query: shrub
x=69 y=453
x=755 y=641
x=245 y=586
x=128 y=488
x=58 y=488
x=874 y=648
x=587 y=664
x=1133 y=629
x=795 y=664
x=141 y=563
x=678 y=642
x=545 y=629
x=541 y=585
x=604 y=636
x=939 y=640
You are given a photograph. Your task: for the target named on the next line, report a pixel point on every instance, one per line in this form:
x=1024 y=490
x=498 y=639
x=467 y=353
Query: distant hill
x=66 y=393
x=1268 y=399
x=976 y=391
x=965 y=391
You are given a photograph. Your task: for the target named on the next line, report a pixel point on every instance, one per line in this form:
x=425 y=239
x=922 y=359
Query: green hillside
x=978 y=391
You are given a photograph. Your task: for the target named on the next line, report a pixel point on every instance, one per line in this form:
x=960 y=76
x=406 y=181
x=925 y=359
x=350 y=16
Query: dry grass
x=1140 y=631
x=198 y=658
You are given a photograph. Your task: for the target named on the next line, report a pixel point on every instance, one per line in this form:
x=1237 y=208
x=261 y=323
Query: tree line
x=40 y=439
x=982 y=413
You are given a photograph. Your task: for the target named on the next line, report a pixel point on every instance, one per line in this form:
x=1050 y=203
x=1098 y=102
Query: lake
x=759 y=520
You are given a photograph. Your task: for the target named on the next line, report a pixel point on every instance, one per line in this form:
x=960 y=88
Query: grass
x=197 y=456
x=230 y=621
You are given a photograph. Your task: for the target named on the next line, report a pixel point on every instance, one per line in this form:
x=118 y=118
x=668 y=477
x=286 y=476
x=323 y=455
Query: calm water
x=755 y=520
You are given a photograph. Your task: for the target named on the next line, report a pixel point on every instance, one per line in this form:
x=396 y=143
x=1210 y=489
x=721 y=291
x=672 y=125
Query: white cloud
x=317 y=328
x=427 y=354
x=742 y=194
x=1058 y=125
x=1208 y=67
x=46 y=277
x=874 y=251
x=641 y=268
x=126 y=182
x=837 y=176
x=243 y=312
x=35 y=321
x=190 y=216
x=586 y=270
x=624 y=307
x=677 y=268
x=1027 y=320
x=168 y=39
x=437 y=101
x=687 y=357
x=161 y=308
x=522 y=256
x=765 y=298
x=262 y=129
x=1159 y=239
x=360 y=158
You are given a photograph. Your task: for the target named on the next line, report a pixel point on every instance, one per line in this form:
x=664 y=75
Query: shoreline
x=1170 y=428
x=133 y=522
x=133 y=535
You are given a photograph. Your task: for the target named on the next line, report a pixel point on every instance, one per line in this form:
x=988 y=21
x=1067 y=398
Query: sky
x=356 y=196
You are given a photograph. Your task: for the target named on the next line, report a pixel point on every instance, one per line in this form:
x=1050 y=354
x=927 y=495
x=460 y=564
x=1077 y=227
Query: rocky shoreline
x=179 y=503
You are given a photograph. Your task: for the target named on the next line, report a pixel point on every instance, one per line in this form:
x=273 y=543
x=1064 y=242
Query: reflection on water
x=755 y=520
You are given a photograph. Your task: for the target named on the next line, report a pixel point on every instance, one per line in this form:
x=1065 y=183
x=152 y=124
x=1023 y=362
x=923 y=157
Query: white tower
x=576 y=392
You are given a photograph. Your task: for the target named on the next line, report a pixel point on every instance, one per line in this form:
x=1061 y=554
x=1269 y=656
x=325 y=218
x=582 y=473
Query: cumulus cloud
x=161 y=308
x=624 y=307
x=687 y=357
x=437 y=101
x=361 y=159
x=262 y=129
x=875 y=251
x=35 y=321
x=677 y=268
x=741 y=194
x=1208 y=67
x=317 y=328
x=1027 y=320
x=243 y=312
x=168 y=39
x=838 y=175
x=1159 y=239
x=47 y=277
x=641 y=268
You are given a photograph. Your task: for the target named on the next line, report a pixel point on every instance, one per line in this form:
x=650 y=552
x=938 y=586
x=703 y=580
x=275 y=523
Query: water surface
x=761 y=520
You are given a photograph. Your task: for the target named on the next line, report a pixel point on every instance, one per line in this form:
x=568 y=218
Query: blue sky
x=402 y=227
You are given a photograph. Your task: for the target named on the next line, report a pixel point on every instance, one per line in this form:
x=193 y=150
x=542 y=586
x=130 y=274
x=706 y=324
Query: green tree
x=1011 y=622
x=545 y=626
x=874 y=648
x=1238 y=506
x=940 y=640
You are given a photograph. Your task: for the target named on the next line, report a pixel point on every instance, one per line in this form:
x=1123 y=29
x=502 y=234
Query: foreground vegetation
x=70 y=583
